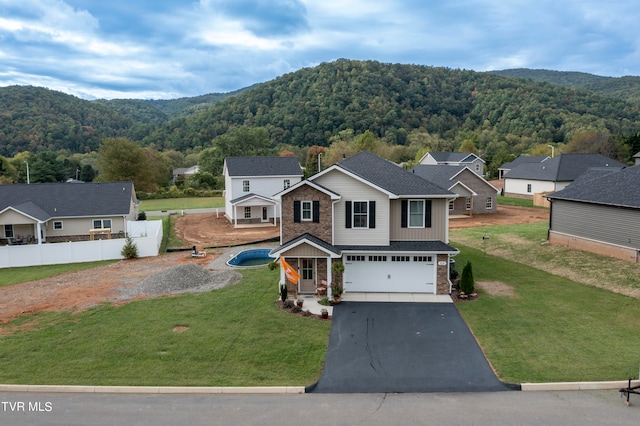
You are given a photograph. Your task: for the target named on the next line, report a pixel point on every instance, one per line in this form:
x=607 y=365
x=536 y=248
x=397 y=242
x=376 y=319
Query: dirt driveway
x=76 y=291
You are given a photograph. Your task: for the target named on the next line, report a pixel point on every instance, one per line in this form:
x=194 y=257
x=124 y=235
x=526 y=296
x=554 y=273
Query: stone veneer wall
x=442 y=286
x=291 y=229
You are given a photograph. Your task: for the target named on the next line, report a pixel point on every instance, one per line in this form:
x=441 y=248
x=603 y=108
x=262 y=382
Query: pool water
x=250 y=258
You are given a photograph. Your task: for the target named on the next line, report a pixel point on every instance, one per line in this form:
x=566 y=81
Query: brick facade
x=442 y=286
x=291 y=229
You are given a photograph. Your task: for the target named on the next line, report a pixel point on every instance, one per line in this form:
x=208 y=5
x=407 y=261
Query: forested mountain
x=627 y=87
x=396 y=103
x=311 y=105
x=36 y=119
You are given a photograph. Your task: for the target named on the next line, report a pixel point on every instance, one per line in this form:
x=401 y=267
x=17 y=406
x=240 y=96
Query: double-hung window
x=245 y=186
x=416 y=213
x=307 y=210
x=360 y=214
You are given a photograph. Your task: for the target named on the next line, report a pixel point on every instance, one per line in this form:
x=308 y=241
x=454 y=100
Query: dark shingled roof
x=616 y=188
x=405 y=246
x=562 y=168
x=309 y=237
x=453 y=157
x=390 y=177
x=440 y=174
x=263 y=166
x=523 y=159
x=48 y=200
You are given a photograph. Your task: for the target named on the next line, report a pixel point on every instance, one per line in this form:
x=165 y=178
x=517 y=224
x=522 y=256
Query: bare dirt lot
x=76 y=291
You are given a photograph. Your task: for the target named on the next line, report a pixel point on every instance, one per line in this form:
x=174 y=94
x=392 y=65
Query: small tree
x=129 y=250
x=467 y=283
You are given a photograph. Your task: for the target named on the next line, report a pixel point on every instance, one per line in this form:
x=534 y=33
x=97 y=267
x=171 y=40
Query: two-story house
x=389 y=228
x=251 y=182
x=470 y=160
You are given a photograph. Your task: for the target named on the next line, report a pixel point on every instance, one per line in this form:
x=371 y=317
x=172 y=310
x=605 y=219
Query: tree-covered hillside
x=36 y=119
x=627 y=87
x=311 y=105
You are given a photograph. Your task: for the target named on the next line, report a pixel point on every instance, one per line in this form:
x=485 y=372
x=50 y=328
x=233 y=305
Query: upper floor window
x=245 y=186
x=102 y=223
x=360 y=214
x=287 y=183
x=416 y=213
x=307 y=210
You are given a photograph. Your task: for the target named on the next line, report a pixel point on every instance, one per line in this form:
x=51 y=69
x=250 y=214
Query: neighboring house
x=51 y=212
x=472 y=161
x=183 y=173
x=475 y=194
x=251 y=182
x=520 y=160
x=552 y=174
x=637 y=158
x=599 y=212
x=389 y=228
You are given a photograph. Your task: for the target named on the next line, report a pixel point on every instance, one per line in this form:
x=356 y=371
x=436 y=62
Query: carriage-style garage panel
x=389 y=273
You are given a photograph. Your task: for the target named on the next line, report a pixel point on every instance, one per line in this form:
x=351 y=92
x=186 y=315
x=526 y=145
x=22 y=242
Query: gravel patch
x=188 y=278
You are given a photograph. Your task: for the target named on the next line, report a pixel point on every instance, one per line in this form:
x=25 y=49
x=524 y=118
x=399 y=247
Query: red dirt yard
x=76 y=291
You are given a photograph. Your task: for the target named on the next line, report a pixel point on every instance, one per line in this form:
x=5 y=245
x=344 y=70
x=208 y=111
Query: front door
x=307 y=276
x=265 y=214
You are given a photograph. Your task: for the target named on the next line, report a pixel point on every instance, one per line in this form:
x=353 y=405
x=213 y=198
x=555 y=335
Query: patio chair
x=321 y=290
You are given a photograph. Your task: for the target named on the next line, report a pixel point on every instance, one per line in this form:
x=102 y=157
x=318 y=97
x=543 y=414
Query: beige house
x=51 y=212
x=387 y=226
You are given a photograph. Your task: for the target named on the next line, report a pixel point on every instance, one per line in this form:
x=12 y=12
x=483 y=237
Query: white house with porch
x=250 y=186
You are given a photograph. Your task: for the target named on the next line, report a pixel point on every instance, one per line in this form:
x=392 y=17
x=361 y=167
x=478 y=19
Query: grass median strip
x=235 y=336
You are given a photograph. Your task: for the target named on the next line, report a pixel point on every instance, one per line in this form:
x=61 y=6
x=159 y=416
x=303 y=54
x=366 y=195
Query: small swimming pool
x=250 y=258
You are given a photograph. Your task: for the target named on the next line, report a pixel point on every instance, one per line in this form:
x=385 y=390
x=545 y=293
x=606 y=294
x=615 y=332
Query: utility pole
x=553 y=150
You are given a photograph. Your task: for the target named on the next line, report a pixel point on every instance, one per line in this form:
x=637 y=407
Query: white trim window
x=360 y=214
x=416 y=214
x=488 y=204
x=468 y=203
x=307 y=210
x=247 y=212
x=529 y=188
x=8 y=231
x=452 y=205
x=287 y=183
x=245 y=186
x=57 y=225
x=101 y=223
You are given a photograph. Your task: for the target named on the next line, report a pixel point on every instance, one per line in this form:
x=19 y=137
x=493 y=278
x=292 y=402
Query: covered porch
x=254 y=210
x=19 y=228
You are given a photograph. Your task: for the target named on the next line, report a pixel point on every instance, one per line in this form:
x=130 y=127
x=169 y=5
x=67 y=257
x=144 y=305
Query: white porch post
x=39 y=232
x=329 y=276
x=235 y=217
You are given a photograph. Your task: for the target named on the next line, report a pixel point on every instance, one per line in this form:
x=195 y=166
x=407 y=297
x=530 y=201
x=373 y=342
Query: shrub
x=273 y=265
x=129 y=250
x=283 y=293
x=142 y=216
x=467 y=283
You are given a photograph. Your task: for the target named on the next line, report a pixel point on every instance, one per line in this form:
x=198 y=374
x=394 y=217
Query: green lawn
x=510 y=201
x=10 y=276
x=551 y=329
x=236 y=337
x=181 y=203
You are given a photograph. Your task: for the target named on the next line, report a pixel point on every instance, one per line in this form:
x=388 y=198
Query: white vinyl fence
x=146 y=235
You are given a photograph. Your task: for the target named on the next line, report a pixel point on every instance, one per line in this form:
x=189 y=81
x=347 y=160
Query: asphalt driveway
x=403 y=347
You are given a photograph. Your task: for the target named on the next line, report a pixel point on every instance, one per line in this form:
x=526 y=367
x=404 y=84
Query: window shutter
x=316 y=211
x=404 y=213
x=347 y=215
x=372 y=214
x=427 y=213
x=296 y=211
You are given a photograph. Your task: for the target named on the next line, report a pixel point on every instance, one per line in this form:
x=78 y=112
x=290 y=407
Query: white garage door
x=395 y=273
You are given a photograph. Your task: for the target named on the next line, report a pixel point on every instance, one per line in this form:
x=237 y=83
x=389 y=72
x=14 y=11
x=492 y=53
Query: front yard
x=560 y=321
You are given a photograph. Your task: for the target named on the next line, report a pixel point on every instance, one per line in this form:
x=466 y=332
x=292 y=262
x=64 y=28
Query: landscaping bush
x=467 y=283
x=129 y=250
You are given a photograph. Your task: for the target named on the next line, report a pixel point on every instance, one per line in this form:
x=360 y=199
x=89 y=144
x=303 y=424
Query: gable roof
x=562 y=168
x=334 y=195
x=522 y=160
x=446 y=176
x=389 y=176
x=615 y=188
x=453 y=157
x=262 y=166
x=44 y=201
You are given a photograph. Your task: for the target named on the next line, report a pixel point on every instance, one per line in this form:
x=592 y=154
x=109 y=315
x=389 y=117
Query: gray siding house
x=600 y=212
x=475 y=194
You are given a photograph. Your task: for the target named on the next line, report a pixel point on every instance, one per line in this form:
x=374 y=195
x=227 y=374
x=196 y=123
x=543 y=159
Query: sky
x=166 y=49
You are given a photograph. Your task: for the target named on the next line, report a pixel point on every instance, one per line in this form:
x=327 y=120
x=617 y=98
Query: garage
x=390 y=273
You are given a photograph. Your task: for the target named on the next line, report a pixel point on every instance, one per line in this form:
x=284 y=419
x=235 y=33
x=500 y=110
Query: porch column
x=39 y=232
x=235 y=217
